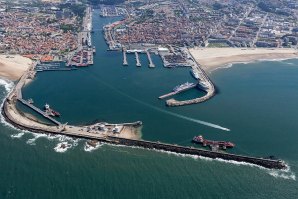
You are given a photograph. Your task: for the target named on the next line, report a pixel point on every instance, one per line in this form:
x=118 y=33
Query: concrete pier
x=138 y=59
x=266 y=163
x=124 y=58
x=203 y=80
x=44 y=114
x=151 y=64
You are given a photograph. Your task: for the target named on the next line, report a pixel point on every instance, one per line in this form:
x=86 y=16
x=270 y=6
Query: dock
x=204 y=82
x=138 y=59
x=44 y=114
x=124 y=58
x=151 y=64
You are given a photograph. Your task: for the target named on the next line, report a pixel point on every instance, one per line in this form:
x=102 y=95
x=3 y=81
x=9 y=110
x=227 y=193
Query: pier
x=138 y=59
x=44 y=114
x=151 y=64
x=62 y=130
x=203 y=81
x=124 y=58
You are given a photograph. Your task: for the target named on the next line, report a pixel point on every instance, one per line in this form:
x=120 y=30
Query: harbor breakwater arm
x=7 y=112
x=210 y=88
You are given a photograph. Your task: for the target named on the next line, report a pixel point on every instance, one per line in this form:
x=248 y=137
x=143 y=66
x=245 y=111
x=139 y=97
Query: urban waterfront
x=256 y=101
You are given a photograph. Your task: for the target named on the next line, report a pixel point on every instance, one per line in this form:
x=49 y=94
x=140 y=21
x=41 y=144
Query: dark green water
x=257 y=102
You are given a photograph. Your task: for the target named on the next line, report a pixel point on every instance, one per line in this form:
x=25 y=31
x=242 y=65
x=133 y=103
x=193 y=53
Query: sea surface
x=257 y=102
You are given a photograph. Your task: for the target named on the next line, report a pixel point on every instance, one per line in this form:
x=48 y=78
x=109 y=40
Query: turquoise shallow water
x=257 y=101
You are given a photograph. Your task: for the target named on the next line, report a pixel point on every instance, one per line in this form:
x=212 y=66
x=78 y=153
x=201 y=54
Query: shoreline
x=213 y=59
x=231 y=64
x=12 y=67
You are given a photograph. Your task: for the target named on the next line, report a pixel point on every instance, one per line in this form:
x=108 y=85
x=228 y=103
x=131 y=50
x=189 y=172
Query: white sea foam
x=62 y=147
x=90 y=148
x=8 y=85
x=18 y=135
x=284 y=173
x=36 y=136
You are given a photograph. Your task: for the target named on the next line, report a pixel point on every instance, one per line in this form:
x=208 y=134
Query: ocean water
x=257 y=102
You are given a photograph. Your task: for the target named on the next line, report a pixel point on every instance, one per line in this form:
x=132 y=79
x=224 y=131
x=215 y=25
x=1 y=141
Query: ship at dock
x=183 y=87
x=50 y=111
x=212 y=144
x=195 y=74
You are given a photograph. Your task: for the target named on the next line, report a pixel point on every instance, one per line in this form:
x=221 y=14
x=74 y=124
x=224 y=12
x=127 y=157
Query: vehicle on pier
x=211 y=143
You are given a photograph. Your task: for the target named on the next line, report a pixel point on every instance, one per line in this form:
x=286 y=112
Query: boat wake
x=159 y=109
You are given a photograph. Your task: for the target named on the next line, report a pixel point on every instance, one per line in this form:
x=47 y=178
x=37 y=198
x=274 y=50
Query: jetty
x=44 y=114
x=62 y=130
x=124 y=58
x=137 y=59
x=204 y=82
x=151 y=64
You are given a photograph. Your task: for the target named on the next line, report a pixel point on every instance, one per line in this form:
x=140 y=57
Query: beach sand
x=13 y=67
x=213 y=58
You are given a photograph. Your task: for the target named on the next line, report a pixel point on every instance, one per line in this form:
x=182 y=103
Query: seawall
x=267 y=163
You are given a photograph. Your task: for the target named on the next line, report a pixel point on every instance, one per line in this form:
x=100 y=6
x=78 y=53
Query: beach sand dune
x=212 y=58
x=12 y=67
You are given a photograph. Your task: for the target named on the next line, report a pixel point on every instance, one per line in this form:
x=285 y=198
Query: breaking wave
x=62 y=147
x=89 y=148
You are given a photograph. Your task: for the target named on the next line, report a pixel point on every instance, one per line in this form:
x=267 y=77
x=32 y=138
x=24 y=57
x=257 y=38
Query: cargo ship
x=50 y=111
x=221 y=144
x=184 y=86
x=195 y=74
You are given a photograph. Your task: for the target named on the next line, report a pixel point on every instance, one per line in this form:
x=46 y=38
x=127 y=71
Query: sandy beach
x=12 y=67
x=212 y=58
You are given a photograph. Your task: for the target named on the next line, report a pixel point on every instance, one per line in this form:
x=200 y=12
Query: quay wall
x=267 y=163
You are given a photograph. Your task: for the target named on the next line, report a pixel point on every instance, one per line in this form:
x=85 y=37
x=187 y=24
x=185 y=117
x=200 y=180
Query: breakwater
x=204 y=81
x=266 y=163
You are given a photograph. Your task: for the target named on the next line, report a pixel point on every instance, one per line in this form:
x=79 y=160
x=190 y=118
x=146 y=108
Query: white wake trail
x=161 y=110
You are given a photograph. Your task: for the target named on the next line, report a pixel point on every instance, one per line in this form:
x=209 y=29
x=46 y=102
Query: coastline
x=12 y=67
x=216 y=58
